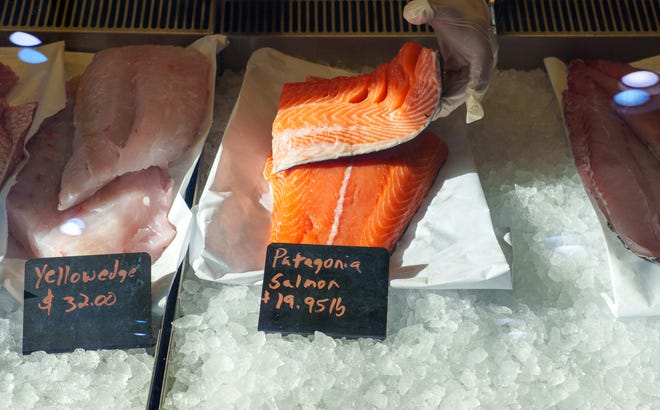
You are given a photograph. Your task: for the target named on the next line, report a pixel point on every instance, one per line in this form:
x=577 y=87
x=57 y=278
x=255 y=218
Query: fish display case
x=560 y=323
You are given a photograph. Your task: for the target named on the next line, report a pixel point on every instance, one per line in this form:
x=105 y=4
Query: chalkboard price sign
x=91 y=302
x=338 y=290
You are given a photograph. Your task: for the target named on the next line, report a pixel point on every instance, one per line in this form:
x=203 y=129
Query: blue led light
x=32 y=56
x=640 y=79
x=632 y=98
x=23 y=39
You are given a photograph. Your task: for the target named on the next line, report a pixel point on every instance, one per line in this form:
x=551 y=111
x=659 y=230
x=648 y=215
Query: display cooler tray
x=328 y=31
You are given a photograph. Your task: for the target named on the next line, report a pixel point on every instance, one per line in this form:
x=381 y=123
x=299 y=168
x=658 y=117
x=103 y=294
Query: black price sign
x=90 y=302
x=338 y=290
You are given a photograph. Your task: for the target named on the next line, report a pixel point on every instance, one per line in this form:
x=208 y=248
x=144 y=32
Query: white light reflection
x=510 y=328
x=557 y=239
x=565 y=245
x=23 y=39
x=640 y=79
x=73 y=227
x=570 y=250
x=519 y=334
x=632 y=98
x=32 y=56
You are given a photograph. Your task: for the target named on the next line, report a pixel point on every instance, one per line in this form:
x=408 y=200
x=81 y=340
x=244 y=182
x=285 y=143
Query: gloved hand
x=468 y=47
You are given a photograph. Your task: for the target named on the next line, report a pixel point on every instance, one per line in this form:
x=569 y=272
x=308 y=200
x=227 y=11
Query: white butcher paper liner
x=450 y=243
x=43 y=83
x=635 y=281
x=73 y=64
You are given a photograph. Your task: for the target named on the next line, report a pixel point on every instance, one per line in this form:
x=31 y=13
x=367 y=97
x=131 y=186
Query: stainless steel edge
x=515 y=51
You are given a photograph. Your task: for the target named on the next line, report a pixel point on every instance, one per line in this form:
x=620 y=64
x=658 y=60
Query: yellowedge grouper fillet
x=128 y=214
x=136 y=107
x=356 y=159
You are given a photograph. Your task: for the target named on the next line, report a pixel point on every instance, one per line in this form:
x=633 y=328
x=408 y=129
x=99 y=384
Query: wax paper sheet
x=450 y=243
x=72 y=64
x=635 y=281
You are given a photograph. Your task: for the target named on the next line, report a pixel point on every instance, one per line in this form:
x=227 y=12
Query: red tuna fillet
x=136 y=107
x=127 y=215
x=619 y=173
x=643 y=121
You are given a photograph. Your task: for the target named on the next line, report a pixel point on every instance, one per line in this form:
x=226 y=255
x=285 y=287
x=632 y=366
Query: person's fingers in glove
x=468 y=47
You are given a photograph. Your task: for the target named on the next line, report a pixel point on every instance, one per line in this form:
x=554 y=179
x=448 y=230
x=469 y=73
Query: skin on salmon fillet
x=127 y=215
x=323 y=119
x=364 y=200
x=618 y=170
x=136 y=107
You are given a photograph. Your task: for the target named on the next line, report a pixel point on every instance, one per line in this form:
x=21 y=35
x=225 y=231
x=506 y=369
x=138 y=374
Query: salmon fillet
x=364 y=200
x=330 y=118
x=136 y=107
x=618 y=171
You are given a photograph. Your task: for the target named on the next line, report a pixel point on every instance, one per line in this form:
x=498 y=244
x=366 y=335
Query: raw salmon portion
x=127 y=215
x=619 y=173
x=15 y=122
x=329 y=118
x=365 y=200
x=136 y=107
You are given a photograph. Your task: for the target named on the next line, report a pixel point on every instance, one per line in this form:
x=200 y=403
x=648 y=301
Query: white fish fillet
x=136 y=107
x=127 y=215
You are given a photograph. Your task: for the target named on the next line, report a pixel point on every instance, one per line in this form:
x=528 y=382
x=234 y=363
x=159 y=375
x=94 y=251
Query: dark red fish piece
x=619 y=173
x=15 y=122
x=644 y=121
x=8 y=79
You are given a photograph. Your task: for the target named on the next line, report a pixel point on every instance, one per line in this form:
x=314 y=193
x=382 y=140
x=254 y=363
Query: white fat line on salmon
x=340 y=204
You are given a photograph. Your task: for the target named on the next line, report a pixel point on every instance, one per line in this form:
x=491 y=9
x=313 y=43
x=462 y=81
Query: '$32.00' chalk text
x=81 y=301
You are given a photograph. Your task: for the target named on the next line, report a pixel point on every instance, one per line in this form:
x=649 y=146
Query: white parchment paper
x=73 y=64
x=449 y=244
x=43 y=83
x=635 y=281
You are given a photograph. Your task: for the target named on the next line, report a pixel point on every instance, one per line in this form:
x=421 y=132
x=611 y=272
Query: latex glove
x=468 y=47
